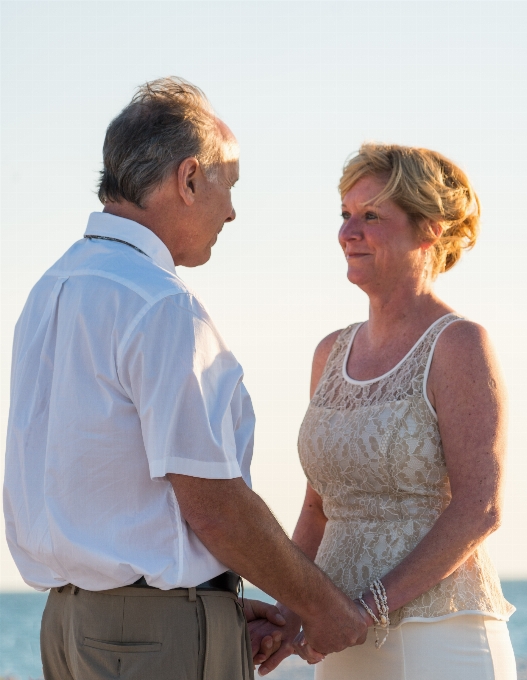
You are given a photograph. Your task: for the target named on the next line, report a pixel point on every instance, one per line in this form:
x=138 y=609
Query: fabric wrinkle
x=145 y=383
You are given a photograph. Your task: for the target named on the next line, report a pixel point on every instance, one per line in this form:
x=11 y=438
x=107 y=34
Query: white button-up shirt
x=119 y=376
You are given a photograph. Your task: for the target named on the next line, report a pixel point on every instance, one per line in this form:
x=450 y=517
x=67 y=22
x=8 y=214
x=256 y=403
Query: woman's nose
x=349 y=230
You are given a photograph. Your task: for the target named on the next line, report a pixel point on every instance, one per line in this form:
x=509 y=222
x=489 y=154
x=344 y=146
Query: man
x=127 y=489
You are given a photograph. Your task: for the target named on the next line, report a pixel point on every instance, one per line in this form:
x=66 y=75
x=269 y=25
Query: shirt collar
x=104 y=224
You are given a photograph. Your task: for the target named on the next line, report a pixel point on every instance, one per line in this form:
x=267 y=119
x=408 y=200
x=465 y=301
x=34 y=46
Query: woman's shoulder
x=324 y=347
x=331 y=341
x=464 y=352
x=462 y=336
x=324 y=350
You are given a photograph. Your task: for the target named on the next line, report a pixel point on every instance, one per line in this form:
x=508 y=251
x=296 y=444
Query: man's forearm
x=239 y=529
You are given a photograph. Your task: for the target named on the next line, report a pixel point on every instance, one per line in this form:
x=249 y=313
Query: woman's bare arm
x=309 y=528
x=312 y=521
x=466 y=389
x=311 y=524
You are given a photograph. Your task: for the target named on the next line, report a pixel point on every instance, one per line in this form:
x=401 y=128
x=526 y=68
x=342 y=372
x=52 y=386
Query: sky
x=302 y=85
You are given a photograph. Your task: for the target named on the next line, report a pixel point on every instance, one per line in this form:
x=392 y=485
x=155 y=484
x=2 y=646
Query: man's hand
x=265 y=623
x=339 y=625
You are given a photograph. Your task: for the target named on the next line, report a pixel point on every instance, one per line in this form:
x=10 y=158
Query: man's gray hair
x=167 y=121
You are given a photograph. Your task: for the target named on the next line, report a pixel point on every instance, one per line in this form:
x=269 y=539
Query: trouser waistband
x=227 y=583
x=130 y=591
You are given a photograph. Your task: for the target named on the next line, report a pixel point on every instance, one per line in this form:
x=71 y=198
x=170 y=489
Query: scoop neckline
x=392 y=370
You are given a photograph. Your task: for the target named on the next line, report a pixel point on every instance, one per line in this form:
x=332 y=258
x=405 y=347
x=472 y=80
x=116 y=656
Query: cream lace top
x=372 y=450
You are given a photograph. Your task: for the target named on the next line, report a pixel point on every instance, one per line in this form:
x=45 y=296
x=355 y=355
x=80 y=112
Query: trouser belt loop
x=191 y=594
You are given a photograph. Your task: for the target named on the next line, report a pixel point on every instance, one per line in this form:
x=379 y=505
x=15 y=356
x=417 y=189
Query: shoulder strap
x=335 y=358
x=434 y=337
x=341 y=343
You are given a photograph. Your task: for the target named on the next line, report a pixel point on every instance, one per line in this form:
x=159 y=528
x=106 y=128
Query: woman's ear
x=435 y=229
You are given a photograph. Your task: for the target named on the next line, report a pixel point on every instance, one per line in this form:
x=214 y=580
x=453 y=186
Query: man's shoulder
x=122 y=270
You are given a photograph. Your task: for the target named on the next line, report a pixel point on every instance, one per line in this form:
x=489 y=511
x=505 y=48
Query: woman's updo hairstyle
x=426 y=185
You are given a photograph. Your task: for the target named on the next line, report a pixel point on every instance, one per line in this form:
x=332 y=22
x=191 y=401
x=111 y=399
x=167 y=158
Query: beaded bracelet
x=381 y=600
x=379 y=595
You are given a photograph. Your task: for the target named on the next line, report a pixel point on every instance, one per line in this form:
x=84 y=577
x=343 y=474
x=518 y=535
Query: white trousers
x=464 y=647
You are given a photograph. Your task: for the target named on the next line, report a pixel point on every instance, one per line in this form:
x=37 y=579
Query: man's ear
x=186 y=179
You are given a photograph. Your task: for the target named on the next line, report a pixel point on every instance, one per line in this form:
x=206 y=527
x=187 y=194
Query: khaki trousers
x=144 y=634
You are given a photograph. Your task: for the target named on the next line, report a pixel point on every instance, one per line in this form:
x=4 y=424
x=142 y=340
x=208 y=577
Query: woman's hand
x=288 y=633
x=256 y=609
x=265 y=623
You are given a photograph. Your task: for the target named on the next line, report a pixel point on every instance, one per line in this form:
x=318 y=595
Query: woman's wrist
x=364 y=613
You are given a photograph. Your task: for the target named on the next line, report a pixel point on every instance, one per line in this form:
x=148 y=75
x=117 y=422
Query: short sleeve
x=187 y=389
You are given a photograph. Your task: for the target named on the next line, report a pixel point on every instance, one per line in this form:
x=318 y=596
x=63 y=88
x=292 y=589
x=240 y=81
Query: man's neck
x=151 y=217
x=127 y=210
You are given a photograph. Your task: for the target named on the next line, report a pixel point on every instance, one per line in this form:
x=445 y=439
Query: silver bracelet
x=381 y=600
x=376 y=622
x=370 y=612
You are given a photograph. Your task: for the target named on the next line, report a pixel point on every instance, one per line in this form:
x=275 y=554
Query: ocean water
x=20 y=615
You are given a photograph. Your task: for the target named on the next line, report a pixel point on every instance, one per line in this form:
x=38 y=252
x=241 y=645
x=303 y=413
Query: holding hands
x=266 y=624
x=276 y=632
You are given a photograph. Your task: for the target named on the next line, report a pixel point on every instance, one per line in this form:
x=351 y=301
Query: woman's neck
x=403 y=310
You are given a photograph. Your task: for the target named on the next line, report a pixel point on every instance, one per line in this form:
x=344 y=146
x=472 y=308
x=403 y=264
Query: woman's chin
x=356 y=277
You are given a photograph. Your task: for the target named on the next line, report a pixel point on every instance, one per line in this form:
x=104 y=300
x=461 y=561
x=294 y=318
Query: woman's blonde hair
x=427 y=186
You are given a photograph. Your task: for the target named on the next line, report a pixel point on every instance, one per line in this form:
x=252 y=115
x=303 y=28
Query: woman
x=403 y=443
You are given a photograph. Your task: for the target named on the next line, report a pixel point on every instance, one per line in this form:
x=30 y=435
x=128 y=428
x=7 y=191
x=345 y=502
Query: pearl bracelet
x=381 y=600
x=370 y=612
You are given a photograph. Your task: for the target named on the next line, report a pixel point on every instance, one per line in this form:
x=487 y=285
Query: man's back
x=112 y=355
x=131 y=433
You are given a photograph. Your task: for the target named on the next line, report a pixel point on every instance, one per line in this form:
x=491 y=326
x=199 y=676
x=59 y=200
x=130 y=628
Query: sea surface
x=20 y=615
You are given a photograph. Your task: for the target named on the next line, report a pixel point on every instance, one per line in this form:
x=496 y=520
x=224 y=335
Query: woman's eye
x=371 y=216
x=345 y=215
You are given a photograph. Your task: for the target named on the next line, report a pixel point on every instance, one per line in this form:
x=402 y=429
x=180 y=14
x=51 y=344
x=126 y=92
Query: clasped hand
x=273 y=634
x=276 y=634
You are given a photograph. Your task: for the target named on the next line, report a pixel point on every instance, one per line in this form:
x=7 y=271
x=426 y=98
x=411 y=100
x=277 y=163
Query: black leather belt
x=227 y=581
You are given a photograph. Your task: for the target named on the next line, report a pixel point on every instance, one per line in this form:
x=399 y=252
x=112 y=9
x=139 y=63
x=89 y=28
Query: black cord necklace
x=117 y=240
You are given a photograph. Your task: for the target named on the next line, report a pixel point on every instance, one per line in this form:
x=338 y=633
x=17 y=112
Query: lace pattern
x=372 y=451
